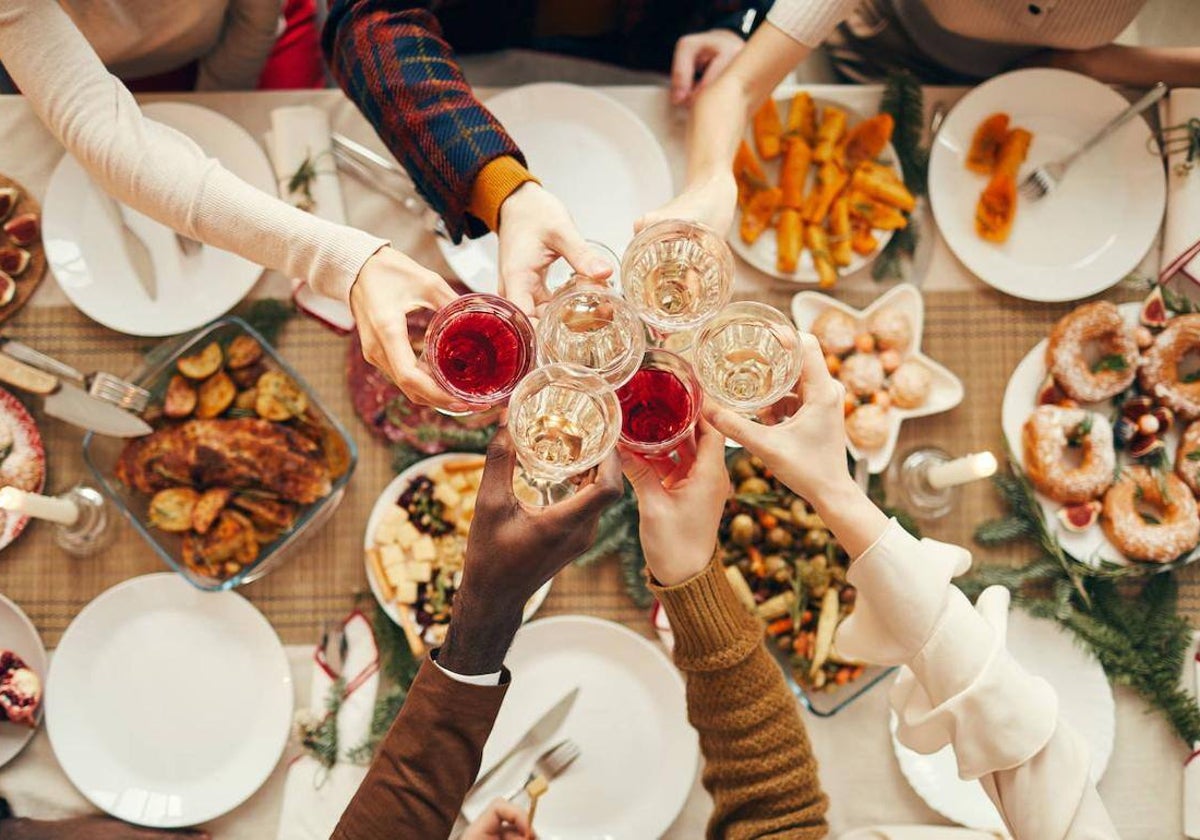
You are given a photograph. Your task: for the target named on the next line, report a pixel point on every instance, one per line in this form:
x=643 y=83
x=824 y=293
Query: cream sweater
x=151 y=167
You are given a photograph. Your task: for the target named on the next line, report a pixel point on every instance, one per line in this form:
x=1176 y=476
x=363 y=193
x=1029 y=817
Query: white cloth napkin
x=301 y=132
x=1191 y=769
x=314 y=797
x=1182 y=227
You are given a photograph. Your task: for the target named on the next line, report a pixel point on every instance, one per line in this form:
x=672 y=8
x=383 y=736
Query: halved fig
x=23 y=230
x=203 y=364
x=14 y=260
x=9 y=196
x=1154 y=310
x=8 y=288
x=20 y=690
x=1144 y=445
x=1050 y=393
x=1165 y=418
x=1080 y=517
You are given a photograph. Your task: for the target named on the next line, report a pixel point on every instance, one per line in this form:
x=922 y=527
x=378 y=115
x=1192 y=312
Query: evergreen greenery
x=905 y=102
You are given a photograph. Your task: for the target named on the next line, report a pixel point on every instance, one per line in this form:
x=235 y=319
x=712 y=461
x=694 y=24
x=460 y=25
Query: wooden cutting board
x=29 y=279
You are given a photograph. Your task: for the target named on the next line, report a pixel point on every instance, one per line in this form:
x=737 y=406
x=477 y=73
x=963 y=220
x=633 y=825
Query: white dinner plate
x=1020 y=400
x=387 y=499
x=1085 y=701
x=638 y=753
x=946 y=389
x=167 y=706
x=1089 y=232
x=586 y=148
x=764 y=253
x=86 y=252
x=18 y=634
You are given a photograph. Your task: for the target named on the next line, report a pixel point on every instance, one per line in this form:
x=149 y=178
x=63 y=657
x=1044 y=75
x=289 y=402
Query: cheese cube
x=406 y=592
x=391 y=556
x=419 y=572
x=407 y=534
x=447 y=495
x=423 y=550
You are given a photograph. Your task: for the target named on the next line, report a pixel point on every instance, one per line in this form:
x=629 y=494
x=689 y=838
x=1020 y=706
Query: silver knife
x=542 y=730
x=70 y=403
x=135 y=248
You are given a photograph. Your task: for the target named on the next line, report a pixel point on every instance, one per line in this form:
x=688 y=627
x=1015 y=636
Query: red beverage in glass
x=479 y=348
x=659 y=405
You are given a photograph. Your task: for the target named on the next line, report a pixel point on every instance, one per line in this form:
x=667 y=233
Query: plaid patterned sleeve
x=391 y=60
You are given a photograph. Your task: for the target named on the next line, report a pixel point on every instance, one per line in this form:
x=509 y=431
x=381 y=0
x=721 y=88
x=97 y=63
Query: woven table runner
x=979 y=334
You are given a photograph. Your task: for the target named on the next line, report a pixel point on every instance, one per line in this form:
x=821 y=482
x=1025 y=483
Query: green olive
x=741 y=469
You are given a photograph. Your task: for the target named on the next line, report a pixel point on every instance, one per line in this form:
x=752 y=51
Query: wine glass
x=478 y=348
x=747 y=356
x=677 y=274
x=588 y=324
x=659 y=405
x=564 y=420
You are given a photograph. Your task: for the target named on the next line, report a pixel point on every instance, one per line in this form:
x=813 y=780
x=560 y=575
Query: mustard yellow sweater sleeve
x=759 y=766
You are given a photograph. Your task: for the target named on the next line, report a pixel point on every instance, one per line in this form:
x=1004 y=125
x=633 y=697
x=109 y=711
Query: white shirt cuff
x=470 y=679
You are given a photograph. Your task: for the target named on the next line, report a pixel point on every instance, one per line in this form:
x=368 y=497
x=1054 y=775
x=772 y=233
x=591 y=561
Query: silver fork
x=1046 y=177
x=550 y=764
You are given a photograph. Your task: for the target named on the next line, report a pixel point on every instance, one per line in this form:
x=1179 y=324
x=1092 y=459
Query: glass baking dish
x=827 y=703
x=101 y=453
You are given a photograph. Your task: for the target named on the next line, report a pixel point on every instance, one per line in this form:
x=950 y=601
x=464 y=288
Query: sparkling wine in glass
x=586 y=323
x=748 y=356
x=478 y=348
x=564 y=420
x=659 y=405
x=677 y=274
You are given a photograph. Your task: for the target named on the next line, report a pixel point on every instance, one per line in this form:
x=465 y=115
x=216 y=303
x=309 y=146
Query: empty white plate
x=167 y=706
x=18 y=634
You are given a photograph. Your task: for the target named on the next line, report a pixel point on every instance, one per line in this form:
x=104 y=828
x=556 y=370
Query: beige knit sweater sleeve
x=158 y=170
x=759 y=767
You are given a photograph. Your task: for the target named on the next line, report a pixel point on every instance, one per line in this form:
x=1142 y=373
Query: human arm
x=430 y=756
x=501 y=820
x=248 y=34
x=759 y=767
x=1120 y=64
x=88 y=828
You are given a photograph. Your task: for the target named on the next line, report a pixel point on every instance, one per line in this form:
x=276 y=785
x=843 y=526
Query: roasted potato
x=248 y=376
x=867 y=139
x=243 y=351
x=758 y=214
x=279 y=398
x=216 y=394
x=211 y=503
x=172 y=509
x=203 y=364
x=245 y=400
x=180 y=400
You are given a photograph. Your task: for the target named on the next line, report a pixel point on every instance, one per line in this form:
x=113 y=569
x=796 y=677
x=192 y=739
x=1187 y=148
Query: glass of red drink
x=659 y=405
x=478 y=348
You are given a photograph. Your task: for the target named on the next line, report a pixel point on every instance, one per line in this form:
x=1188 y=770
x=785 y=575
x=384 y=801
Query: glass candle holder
x=92 y=531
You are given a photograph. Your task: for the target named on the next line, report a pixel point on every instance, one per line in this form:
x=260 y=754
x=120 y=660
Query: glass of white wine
x=747 y=356
x=677 y=274
x=586 y=323
x=564 y=420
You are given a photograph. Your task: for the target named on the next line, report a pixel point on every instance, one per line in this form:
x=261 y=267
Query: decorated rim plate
x=25 y=464
x=87 y=253
x=1089 y=232
x=167 y=706
x=1085 y=699
x=764 y=253
x=1020 y=400
x=638 y=754
x=589 y=150
x=388 y=498
x=18 y=634
x=946 y=389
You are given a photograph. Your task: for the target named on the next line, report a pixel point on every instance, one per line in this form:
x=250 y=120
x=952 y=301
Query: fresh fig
x=1143 y=445
x=1154 y=310
x=1080 y=517
x=8 y=289
x=9 y=196
x=23 y=230
x=1135 y=407
x=13 y=260
x=1050 y=393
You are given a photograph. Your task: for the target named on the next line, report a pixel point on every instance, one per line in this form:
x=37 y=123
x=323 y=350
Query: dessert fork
x=549 y=765
x=1045 y=178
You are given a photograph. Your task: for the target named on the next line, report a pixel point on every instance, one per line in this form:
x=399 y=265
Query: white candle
x=50 y=508
x=961 y=470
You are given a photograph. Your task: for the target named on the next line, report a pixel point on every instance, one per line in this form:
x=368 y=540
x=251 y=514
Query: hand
x=535 y=230
x=710 y=202
x=512 y=549
x=389 y=286
x=500 y=821
x=89 y=828
x=680 y=505
x=700 y=58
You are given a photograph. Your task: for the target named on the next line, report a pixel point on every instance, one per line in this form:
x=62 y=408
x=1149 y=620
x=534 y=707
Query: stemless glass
x=564 y=420
x=677 y=274
x=478 y=348
x=587 y=324
x=659 y=405
x=747 y=356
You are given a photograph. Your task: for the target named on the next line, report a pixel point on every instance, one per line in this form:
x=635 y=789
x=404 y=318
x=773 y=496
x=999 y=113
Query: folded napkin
x=1181 y=231
x=1191 y=768
x=300 y=136
x=314 y=795
x=918 y=832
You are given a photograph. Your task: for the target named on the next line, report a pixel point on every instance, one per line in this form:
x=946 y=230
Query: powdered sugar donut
x=1160 y=375
x=1074 y=340
x=1177 y=530
x=1048 y=433
x=862 y=374
x=835 y=331
x=1187 y=461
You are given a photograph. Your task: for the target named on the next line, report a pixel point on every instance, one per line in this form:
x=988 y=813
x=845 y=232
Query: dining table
x=979 y=333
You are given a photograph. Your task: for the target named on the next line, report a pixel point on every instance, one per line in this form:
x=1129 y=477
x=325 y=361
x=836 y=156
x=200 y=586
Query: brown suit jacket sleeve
x=428 y=761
